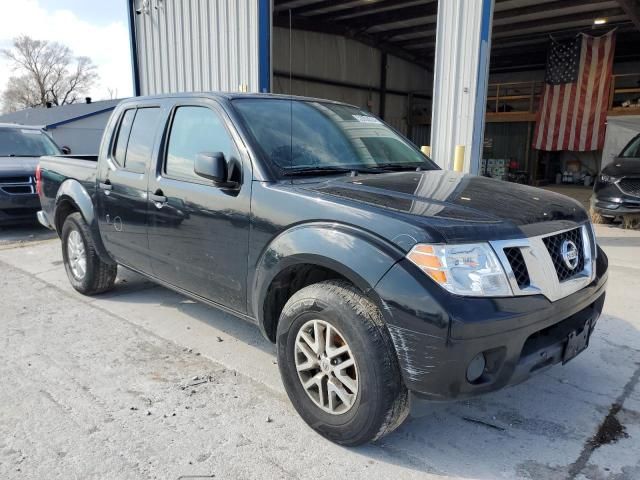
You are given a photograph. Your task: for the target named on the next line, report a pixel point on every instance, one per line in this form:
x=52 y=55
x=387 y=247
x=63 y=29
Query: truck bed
x=88 y=161
x=78 y=167
x=55 y=170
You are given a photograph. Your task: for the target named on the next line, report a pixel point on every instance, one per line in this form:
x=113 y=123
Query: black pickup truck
x=375 y=272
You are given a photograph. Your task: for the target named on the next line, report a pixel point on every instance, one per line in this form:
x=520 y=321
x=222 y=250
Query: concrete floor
x=144 y=383
x=577 y=192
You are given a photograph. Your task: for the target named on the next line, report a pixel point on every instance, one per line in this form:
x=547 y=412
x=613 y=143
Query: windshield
x=632 y=150
x=25 y=142
x=325 y=136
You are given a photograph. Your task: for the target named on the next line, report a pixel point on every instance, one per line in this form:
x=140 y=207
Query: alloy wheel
x=326 y=367
x=76 y=255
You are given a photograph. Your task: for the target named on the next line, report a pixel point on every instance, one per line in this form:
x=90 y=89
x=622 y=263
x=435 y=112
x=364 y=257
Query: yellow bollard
x=458 y=158
x=426 y=149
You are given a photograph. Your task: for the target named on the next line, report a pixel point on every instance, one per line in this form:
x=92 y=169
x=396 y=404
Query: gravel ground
x=143 y=383
x=92 y=396
x=22 y=234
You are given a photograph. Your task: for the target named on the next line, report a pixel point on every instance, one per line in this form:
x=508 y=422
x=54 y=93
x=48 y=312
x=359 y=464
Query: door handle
x=158 y=199
x=106 y=186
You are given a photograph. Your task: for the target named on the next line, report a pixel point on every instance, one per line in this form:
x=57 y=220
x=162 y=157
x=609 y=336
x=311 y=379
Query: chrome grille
x=516 y=260
x=531 y=268
x=18 y=185
x=630 y=186
x=554 y=246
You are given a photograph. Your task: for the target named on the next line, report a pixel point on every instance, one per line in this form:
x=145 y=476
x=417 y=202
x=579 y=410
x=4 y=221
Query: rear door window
x=141 y=139
x=124 y=130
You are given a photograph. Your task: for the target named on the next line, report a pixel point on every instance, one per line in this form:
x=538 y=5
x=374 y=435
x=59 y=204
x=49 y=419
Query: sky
x=93 y=28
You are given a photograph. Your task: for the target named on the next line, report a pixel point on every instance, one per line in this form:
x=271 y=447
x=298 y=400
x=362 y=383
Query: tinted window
x=123 y=136
x=633 y=149
x=25 y=142
x=140 y=146
x=195 y=130
x=306 y=134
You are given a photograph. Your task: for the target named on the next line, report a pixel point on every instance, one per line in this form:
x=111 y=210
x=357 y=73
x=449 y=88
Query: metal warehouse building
x=78 y=126
x=445 y=73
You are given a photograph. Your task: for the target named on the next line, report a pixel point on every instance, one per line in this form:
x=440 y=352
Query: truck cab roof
x=232 y=96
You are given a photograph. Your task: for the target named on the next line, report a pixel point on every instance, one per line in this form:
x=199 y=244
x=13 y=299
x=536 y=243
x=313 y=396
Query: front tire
x=338 y=364
x=87 y=273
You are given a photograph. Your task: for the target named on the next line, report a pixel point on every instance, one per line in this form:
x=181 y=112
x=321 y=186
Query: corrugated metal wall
x=336 y=58
x=209 y=45
x=196 y=45
x=421 y=135
x=331 y=57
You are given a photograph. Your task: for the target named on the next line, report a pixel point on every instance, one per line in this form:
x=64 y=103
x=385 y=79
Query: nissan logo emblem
x=569 y=253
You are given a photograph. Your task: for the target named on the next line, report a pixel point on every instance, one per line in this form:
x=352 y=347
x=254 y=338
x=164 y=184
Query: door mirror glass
x=65 y=150
x=212 y=166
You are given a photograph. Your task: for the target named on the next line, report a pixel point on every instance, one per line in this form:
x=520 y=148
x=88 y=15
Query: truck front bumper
x=437 y=335
x=611 y=202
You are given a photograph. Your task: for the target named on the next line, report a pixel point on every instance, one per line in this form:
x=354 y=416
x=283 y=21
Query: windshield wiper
x=398 y=167
x=328 y=171
x=293 y=172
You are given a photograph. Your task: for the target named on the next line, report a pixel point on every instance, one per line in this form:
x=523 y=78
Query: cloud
x=107 y=45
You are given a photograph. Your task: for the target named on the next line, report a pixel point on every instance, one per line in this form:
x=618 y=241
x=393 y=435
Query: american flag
x=573 y=106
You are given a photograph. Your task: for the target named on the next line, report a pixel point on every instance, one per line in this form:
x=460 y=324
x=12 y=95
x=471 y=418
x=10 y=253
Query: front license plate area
x=577 y=341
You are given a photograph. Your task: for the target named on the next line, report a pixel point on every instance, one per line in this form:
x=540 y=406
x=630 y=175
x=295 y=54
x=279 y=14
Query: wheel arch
x=73 y=197
x=72 y=194
x=311 y=253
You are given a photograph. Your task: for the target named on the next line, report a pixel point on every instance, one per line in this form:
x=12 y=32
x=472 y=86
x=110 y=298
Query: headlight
x=465 y=269
x=607 y=178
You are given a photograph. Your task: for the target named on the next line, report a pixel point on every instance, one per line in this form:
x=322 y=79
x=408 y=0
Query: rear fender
x=73 y=191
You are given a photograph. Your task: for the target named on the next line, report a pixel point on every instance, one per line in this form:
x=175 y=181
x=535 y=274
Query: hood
x=455 y=204
x=18 y=166
x=621 y=167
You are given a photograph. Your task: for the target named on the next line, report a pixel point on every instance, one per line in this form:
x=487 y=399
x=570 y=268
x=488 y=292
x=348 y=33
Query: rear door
x=199 y=232
x=122 y=186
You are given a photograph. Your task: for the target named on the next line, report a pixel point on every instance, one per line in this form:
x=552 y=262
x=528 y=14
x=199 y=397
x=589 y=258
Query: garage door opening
x=355 y=52
x=528 y=140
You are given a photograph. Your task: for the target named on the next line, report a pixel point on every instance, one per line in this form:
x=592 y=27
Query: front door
x=199 y=232
x=122 y=188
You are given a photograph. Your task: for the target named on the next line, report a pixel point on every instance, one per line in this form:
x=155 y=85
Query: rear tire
x=87 y=273
x=375 y=399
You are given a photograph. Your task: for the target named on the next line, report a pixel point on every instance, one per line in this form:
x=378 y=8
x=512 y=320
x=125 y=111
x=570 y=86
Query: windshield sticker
x=30 y=131
x=366 y=119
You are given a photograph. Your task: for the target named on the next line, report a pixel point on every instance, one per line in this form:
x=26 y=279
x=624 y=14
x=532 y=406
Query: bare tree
x=46 y=72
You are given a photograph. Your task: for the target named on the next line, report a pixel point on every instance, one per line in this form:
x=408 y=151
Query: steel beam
x=463 y=43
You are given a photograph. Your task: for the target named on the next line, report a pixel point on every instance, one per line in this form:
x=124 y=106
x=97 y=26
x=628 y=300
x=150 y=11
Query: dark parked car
x=375 y=272
x=617 y=188
x=20 y=150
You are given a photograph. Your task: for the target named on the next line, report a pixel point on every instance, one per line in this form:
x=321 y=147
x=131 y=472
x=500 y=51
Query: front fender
x=357 y=255
x=73 y=191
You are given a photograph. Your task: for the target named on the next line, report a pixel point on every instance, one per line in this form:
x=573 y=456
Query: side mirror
x=212 y=166
x=65 y=150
